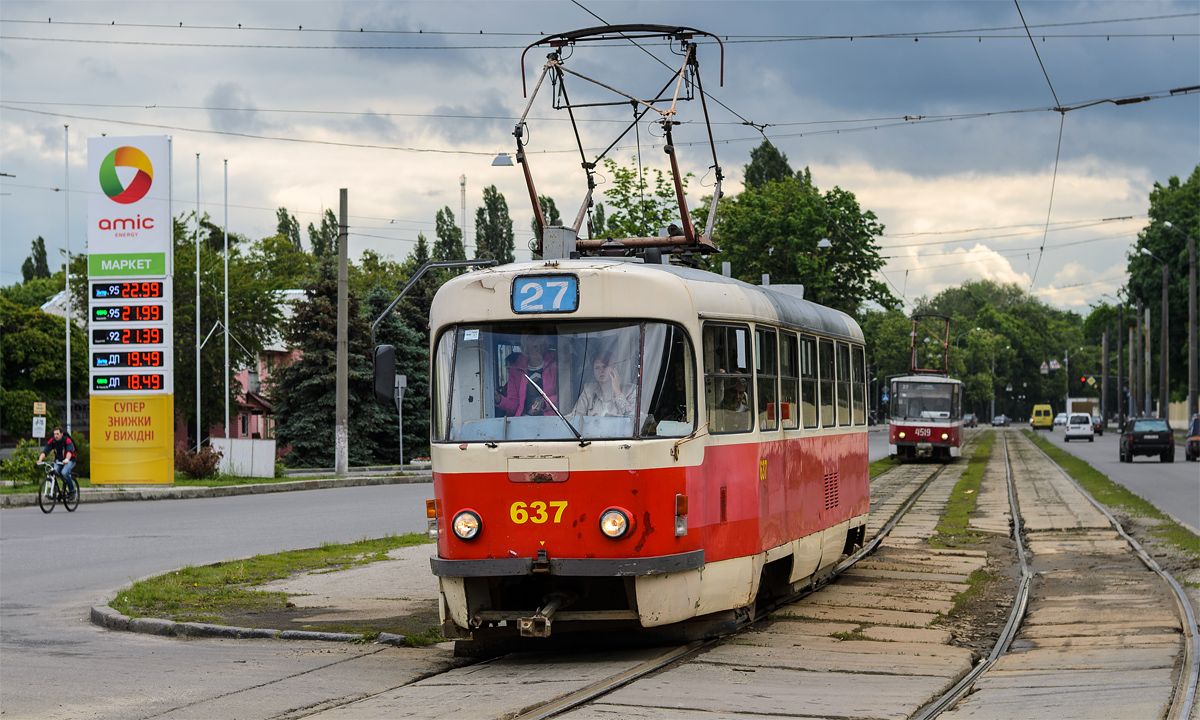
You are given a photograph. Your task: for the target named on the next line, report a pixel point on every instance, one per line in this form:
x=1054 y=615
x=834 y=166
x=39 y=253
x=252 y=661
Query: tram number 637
x=535 y=512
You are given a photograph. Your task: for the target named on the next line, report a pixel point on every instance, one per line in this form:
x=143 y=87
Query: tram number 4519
x=535 y=512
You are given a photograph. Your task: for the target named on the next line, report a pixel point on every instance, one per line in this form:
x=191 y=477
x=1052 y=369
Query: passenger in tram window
x=509 y=363
x=536 y=366
x=608 y=395
x=735 y=396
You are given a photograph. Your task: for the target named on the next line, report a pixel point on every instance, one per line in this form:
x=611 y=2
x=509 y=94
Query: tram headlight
x=614 y=523
x=467 y=525
x=901 y=434
x=945 y=436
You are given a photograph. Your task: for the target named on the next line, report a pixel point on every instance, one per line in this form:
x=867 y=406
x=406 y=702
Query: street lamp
x=1193 y=369
x=1163 y=371
x=962 y=335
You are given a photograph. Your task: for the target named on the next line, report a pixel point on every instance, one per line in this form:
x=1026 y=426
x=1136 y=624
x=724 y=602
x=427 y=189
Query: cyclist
x=64 y=451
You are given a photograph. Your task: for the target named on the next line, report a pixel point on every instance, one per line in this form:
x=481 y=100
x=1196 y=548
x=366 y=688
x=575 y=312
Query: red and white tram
x=926 y=417
x=631 y=444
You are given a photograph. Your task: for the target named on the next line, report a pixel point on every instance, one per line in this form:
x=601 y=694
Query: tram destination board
x=127 y=290
x=129 y=359
x=127 y=313
x=135 y=383
x=128 y=336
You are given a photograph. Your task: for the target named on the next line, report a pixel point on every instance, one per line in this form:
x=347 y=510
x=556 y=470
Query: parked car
x=1060 y=419
x=1191 y=446
x=1097 y=424
x=1079 y=427
x=1043 y=417
x=969 y=420
x=1000 y=421
x=1147 y=436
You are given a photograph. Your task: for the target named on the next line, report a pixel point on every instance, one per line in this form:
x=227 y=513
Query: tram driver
x=535 y=368
x=608 y=395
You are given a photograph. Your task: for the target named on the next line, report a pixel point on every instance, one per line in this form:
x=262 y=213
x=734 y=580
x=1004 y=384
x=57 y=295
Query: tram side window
x=859 y=376
x=843 y=381
x=789 y=381
x=767 y=374
x=727 y=378
x=809 y=397
x=443 y=361
x=825 y=367
x=668 y=396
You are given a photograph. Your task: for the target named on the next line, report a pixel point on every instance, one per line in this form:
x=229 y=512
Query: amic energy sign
x=130 y=309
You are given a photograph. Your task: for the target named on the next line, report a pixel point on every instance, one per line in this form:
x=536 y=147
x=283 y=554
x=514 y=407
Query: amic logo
x=126 y=156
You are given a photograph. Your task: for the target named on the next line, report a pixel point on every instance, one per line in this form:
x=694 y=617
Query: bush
x=197 y=465
x=280 y=468
x=83 y=457
x=21 y=466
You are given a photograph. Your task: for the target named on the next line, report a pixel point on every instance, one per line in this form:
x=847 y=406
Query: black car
x=1147 y=436
x=970 y=421
x=1001 y=421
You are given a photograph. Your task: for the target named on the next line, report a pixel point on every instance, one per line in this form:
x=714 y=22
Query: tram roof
x=928 y=379
x=712 y=296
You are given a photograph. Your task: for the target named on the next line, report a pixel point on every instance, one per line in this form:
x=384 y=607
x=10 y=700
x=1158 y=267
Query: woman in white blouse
x=607 y=396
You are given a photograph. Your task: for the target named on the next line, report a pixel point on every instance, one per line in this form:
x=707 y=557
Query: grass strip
x=952 y=529
x=1118 y=497
x=207 y=593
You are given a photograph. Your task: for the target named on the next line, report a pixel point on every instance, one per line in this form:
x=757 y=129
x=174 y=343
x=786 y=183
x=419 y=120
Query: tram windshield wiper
x=582 y=442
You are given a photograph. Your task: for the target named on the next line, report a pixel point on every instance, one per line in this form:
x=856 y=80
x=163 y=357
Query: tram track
x=1184 y=693
x=913 y=478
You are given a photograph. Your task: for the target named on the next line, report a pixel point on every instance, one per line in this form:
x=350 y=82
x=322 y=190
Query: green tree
x=305 y=391
x=288 y=227
x=35 y=292
x=635 y=208
x=412 y=361
x=597 y=225
x=278 y=263
x=32 y=366
x=253 y=318
x=767 y=164
x=493 y=228
x=324 y=238
x=775 y=229
x=549 y=212
x=1179 y=204
x=375 y=271
x=449 y=243
x=35 y=265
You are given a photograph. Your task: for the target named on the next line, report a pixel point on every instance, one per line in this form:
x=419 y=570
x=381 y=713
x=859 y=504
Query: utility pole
x=1146 y=364
x=198 y=430
x=1120 y=367
x=1103 y=380
x=1164 y=370
x=228 y=432
x=341 y=434
x=1133 y=387
x=1139 y=408
x=67 y=269
x=462 y=196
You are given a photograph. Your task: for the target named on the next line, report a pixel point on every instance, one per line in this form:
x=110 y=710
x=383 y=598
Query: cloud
x=231 y=110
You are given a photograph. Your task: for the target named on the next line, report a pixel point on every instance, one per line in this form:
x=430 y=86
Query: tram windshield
x=928 y=400
x=521 y=381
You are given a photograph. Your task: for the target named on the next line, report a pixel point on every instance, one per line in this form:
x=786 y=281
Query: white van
x=1079 y=426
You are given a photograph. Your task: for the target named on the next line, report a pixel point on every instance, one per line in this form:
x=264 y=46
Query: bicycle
x=53 y=489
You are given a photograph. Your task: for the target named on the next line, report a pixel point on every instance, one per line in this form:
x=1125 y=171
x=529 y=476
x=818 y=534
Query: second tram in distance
x=926 y=417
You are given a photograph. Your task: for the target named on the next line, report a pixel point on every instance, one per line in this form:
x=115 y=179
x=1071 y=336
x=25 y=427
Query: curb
x=187 y=493
x=110 y=619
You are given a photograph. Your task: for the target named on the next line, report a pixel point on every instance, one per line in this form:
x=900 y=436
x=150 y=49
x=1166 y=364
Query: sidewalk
x=358 y=477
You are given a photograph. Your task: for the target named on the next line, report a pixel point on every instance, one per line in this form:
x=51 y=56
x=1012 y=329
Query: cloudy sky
x=939 y=116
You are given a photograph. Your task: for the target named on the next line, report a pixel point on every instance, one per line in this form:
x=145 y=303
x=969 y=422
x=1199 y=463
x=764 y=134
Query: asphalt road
x=1173 y=488
x=53 y=568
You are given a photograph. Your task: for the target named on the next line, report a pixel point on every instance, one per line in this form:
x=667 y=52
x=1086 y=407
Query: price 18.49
x=150 y=381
